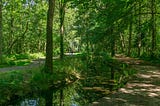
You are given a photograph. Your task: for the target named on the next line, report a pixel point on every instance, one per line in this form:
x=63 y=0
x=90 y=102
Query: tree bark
x=48 y=68
x=49 y=38
x=130 y=37
x=61 y=98
x=139 y=31
x=122 y=42
x=113 y=43
x=153 y=28
x=62 y=15
x=1 y=36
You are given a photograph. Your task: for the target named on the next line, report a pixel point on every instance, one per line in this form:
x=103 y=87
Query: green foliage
x=22 y=83
x=98 y=61
x=98 y=28
x=19 y=59
x=13 y=84
x=21 y=56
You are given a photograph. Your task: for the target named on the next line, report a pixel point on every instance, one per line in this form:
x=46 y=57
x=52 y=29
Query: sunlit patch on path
x=142 y=90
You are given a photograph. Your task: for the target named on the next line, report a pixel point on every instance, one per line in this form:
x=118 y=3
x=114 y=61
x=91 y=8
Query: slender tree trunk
x=130 y=37
x=62 y=15
x=11 y=38
x=1 y=36
x=19 y=38
x=122 y=42
x=113 y=43
x=48 y=68
x=49 y=38
x=139 y=31
x=61 y=98
x=153 y=28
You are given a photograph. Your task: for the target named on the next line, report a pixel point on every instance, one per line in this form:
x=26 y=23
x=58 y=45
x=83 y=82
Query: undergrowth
x=19 y=59
x=15 y=85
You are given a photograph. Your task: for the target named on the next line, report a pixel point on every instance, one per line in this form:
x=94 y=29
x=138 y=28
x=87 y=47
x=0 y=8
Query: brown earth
x=142 y=90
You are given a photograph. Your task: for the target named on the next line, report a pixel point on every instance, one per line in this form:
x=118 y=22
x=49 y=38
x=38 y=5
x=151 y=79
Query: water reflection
x=73 y=95
x=30 y=102
x=71 y=92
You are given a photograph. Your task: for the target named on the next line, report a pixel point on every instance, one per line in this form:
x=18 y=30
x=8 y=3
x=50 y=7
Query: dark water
x=91 y=87
x=74 y=95
x=79 y=93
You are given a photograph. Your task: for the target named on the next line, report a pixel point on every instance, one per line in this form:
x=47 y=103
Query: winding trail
x=142 y=90
x=37 y=63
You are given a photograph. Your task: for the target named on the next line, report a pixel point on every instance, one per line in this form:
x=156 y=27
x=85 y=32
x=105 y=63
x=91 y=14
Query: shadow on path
x=142 y=90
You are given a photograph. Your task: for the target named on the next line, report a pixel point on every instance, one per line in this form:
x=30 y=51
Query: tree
x=1 y=31
x=62 y=6
x=153 y=27
x=49 y=38
x=48 y=68
x=139 y=29
x=130 y=36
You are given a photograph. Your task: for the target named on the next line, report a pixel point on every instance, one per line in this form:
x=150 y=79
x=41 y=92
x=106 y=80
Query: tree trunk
x=139 y=31
x=62 y=15
x=113 y=43
x=48 y=68
x=122 y=42
x=1 y=25
x=49 y=38
x=19 y=38
x=130 y=37
x=153 y=28
x=11 y=38
x=61 y=98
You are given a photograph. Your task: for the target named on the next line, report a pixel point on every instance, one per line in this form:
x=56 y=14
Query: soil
x=142 y=90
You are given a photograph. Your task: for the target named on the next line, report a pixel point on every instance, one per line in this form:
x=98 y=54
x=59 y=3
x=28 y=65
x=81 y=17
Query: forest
x=75 y=52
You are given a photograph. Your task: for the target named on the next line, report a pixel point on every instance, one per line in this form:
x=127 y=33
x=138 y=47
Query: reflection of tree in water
x=30 y=102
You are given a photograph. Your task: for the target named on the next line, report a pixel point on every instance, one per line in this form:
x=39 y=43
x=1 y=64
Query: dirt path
x=142 y=90
x=33 y=65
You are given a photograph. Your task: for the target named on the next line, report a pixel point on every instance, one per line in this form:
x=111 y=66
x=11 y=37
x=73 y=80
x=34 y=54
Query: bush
x=22 y=56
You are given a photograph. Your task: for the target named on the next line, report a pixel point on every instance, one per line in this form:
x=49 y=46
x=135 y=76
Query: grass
x=19 y=59
x=15 y=84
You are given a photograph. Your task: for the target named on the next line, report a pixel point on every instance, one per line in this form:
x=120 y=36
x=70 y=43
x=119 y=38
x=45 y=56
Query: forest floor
x=142 y=90
x=37 y=63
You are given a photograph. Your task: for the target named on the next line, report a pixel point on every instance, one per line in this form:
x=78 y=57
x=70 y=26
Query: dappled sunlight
x=154 y=76
x=144 y=76
x=156 y=72
x=121 y=99
x=95 y=103
x=126 y=90
x=139 y=85
x=151 y=75
x=151 y=94
x=157 y=89
x=107 y=98
x=142 y=90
